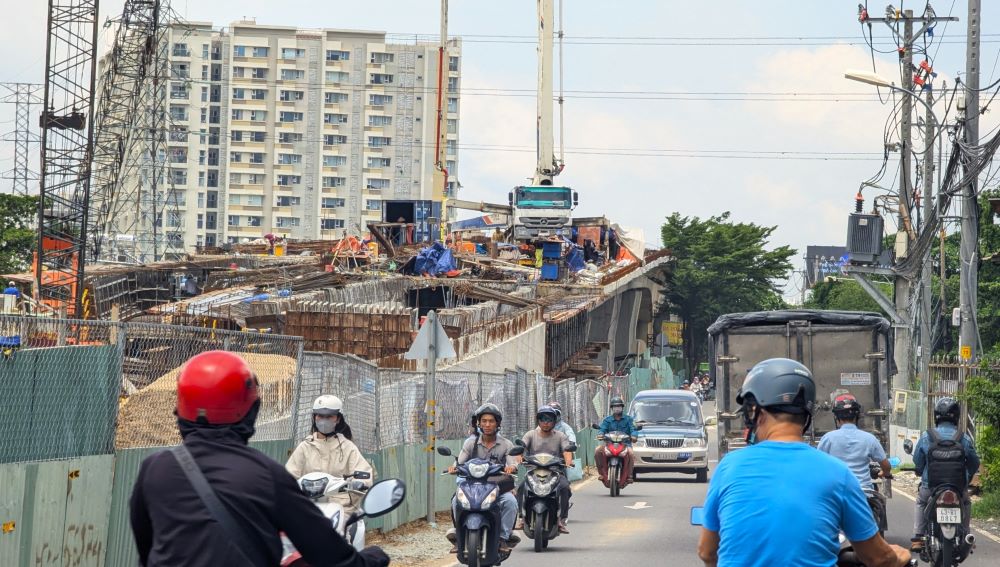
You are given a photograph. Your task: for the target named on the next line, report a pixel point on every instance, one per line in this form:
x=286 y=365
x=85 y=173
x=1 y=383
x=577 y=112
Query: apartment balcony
x=180 y=53
x=245 y=208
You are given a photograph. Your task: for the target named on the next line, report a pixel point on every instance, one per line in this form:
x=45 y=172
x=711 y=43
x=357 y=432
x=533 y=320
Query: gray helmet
x=488 y=409
x=616 y=401
x=947 y=409
x=780 y=384
x=549 y=411
x=558 y=407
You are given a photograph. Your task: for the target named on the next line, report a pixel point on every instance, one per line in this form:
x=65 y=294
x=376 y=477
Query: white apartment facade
x=301 y=133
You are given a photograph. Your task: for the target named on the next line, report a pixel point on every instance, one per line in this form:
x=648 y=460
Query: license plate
x=664 y=456
x=949 y=515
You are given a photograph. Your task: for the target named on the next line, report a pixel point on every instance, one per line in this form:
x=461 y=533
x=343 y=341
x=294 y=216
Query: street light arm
x=878 y=81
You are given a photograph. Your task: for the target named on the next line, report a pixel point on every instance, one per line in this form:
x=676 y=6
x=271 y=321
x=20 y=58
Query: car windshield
x=667 y=412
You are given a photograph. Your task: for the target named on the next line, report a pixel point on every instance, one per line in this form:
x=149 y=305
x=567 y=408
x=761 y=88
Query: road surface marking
x=986 y=534
x=638 y=506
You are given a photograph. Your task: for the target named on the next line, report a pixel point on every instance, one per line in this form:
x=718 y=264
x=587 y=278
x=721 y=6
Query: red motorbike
x=616 y=449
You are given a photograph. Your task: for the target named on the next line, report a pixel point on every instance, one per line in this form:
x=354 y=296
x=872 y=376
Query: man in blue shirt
x=780 y=501
x=855 y=447
x=617 y=421
x=12 y=290
x=947 y=413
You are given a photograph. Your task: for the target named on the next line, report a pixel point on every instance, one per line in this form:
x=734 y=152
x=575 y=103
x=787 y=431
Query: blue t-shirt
x=856 y=448
x=777 y=503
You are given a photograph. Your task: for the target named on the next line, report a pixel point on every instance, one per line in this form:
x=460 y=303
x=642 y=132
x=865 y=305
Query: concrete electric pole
x=968 y=337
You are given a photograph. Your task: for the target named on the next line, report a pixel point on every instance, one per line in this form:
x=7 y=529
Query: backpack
x=946 y=460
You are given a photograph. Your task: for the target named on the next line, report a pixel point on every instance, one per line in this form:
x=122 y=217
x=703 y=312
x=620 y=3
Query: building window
x=256 y=136
x=236 y=135
x=334 y=139
x=450 y=166
x=178 y=91
x=452 y=147
x=254 y=200
x=236 y=157
x=259 y=73
x=254 y=221
x=237 y=114
x=234 y=199
x=178 y=112
x=233 y=220
x=378 y=120
x=178 y=177
x=332 y=55
x=292 y=74
x=379 y=141
x=200 y=223
x=289 y=116
x=329 y=118
x=258 y=94
x=239 y=51
x=334 y=161
x=379 y=99
x=330 y=224
x=381 y=79
x=373 y=205
x=379 y=161
x=211 y=221
x=332 y=202
x=201 y=200
x=452 y=84
x=452 y=104
x=289 y=180
x=335 y=182
x=291 y=95
x=337 y=76
x=258 y=115
x=379 y=58
x=260 y=51
x=204 y=51
x=235 y=178
x=453 y=63
x=289 y=137
x=289 y=201
x=333 y=98
x=286 y=222
x=257 y=157
x=255 y=178
x=377 y=184
x=286 y=159
x=452 y=126
x=213 y=200
x=180 y=71
x=239 y=72
x=239 y=94
x=292 y=53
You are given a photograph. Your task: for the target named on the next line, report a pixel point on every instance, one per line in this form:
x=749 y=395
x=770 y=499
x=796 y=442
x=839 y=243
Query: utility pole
x=927 y=180
x=22 y=95
x=968 y=337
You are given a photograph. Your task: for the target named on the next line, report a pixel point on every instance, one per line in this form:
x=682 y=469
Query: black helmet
x=549 y=411
x=846 y=406
x=947 y=409
x=488 y=409
x=780 y=384
x=617 y=401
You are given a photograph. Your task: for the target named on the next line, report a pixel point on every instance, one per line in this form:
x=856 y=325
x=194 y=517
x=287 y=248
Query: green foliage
x=983 y=395
x=17 y=233
x=987 y=507
x=844 y=295
x=721 y=267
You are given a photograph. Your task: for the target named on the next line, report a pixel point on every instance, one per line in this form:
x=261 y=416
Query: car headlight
x=463 y=499
x=641 y=442
x=490 y=498
x=694 y=442
x=478 y=470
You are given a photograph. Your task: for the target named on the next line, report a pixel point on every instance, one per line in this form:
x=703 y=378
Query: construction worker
x=213 y=500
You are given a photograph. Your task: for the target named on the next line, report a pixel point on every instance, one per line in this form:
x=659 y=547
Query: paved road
x=604 y=532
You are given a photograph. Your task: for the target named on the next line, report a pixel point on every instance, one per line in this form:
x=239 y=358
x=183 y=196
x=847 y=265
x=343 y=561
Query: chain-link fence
x=113 y=385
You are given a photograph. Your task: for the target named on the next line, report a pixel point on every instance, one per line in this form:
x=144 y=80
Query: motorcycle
x=948 y=542
x=877 y=497
x=383 y=497
x=541 y=498
x=616 y=450
x=477 y=525
x=318 y=487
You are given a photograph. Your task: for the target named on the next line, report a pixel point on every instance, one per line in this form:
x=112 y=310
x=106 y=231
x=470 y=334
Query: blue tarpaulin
x=434 y=260
x=575 y=260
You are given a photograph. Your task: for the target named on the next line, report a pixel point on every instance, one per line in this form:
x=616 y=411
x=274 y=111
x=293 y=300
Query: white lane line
x=983 y=533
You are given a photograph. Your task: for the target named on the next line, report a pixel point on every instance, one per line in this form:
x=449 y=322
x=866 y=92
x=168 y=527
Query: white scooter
x=318 y=487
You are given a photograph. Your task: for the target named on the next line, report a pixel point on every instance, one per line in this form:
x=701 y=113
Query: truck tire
x=702 y=475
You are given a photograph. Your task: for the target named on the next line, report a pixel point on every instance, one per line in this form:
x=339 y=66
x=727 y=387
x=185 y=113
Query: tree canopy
x=721 y=267
x=17 y=232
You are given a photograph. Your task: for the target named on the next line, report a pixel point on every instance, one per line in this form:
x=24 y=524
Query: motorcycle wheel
x=615 y=481
x=947 y=553
x=702 y=475
x=472 y=544
x=538 y=523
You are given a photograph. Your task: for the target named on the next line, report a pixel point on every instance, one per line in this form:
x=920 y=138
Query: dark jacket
x=173 y=528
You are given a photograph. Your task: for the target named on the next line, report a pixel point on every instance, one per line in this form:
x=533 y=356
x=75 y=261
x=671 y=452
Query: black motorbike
x=541 y=498
x=877 y=497
x=948 y=542
x=477 y=526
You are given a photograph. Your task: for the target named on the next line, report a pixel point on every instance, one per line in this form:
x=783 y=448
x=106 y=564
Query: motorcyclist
x=545 y=439
x=620 y=422
x=217 y=406
x=855 y=447
x=329 y=449
x=947 y=413
x=780 y=501
x=561 y=425
x=489 y=445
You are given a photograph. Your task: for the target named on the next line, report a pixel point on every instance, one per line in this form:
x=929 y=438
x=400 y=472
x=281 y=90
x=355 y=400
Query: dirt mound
x=146 y=418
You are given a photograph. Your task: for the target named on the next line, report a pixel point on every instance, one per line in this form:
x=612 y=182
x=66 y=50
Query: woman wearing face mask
x=329 y=449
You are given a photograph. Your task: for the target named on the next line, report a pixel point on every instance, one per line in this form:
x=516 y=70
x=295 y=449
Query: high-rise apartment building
x=301 y=133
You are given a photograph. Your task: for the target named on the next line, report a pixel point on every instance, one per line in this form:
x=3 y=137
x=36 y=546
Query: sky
x=671 y=106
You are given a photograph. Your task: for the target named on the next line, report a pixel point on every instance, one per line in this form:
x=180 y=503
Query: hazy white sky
x=696 y=107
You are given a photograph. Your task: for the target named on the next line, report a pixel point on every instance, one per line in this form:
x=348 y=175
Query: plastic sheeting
x=434 y=260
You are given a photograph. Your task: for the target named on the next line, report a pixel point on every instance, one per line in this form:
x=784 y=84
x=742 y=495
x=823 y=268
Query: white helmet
x=327 y=405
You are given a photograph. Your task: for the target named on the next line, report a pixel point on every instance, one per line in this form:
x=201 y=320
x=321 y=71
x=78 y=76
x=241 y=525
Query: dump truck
x=847 y=352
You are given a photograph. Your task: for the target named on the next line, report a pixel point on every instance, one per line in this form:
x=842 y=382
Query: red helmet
x=846 y=405
x=216 y=385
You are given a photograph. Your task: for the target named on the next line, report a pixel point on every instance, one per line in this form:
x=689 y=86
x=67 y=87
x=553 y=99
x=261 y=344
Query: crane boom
x=546 y=168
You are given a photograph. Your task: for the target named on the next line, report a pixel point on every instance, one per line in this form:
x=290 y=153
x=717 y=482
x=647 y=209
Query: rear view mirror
x=361 y=475
x=697 y=516
x=908 y=447
x=444 y=451
x=519 y=443
x=572 y=447
x=383 y=497
x=638 y=427
x=516 y=451
x=595 y=426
